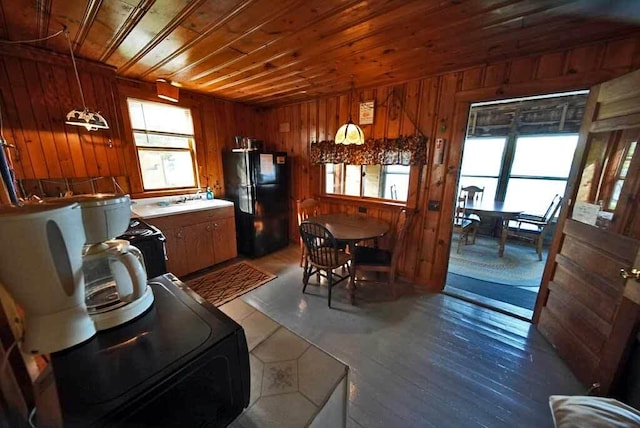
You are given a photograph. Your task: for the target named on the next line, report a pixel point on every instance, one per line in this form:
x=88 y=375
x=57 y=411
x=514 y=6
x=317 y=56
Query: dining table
x=502 y=211
x=351 y=229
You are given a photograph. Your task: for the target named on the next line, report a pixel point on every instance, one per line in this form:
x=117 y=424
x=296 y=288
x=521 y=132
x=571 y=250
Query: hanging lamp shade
x=349 y=133
x=89 y=119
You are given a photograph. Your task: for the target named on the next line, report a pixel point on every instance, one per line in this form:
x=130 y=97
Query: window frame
x=362 y=197
x=508 y=157
x=192 y=149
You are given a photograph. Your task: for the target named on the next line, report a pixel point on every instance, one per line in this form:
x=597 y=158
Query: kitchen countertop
x=164 y=206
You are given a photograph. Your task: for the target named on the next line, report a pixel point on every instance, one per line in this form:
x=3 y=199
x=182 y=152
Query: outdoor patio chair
x=463 y=225
x=323 y=255
x=533 y=228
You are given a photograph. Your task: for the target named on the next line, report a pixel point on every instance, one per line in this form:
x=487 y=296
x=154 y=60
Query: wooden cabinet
x=198 y=239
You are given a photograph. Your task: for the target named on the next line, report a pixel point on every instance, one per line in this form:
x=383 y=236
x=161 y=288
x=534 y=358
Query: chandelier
x=350 y=133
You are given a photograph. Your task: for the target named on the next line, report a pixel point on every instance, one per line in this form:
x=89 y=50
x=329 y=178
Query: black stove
x=150 y=241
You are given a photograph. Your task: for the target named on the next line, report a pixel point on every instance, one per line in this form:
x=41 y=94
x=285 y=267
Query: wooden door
x=176 y=250
x=584 y=307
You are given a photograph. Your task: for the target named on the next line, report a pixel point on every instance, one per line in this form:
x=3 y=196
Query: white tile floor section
x=424 y=360
x=293 y=383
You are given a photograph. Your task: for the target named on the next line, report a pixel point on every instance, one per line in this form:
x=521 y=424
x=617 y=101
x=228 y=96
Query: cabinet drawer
x=195 y=217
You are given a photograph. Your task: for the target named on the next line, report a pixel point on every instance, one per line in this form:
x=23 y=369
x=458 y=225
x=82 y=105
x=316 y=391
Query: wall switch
x=434 y=206
x=362 y=210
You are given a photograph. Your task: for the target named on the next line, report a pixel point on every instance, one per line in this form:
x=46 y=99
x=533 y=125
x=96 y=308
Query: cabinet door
x=176 y=250
x=224 y=239
x=200 y=253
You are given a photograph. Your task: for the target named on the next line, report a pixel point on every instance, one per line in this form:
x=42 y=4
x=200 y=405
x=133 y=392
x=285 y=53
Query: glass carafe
x=114 y=275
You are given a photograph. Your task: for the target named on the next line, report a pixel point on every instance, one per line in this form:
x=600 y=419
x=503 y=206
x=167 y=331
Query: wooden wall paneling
x=584 y=58
x=37 y=99
x=323 y=133
x=52 y=109
x=333 y=119
x=452 y=119
x=550 y=65
x=113 y=136
x=522 y=70
x=201 y=146
x=494 y=74
x=411 y=110
x=619 y=54
x=394 y=111
x=91 y=158
x=65 y=81
x=472 y=78
x=13 y=132
x=27 y=120
x=383 y=98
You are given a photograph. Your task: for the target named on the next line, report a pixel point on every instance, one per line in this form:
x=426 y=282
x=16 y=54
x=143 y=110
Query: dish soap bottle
x=209 y=193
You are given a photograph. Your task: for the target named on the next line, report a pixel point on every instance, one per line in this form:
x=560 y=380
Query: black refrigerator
x=257 y=183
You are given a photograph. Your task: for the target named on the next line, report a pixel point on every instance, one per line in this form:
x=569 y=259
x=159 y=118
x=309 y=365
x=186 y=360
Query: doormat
x=225 y=284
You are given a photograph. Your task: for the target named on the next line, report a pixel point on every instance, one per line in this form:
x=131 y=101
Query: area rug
x=225 y=284
x=519 y=265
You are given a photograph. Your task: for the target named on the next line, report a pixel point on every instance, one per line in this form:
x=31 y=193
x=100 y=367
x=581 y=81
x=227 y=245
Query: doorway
x=516 y=158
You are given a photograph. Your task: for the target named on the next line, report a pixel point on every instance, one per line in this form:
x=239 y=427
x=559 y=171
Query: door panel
x=582 y=308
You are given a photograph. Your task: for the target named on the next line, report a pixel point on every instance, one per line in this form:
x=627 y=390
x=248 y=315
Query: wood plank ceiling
x=269 y=52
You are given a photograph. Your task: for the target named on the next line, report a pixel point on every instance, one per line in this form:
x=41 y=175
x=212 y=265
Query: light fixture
x=167 y=90
x=350 y=133
x=89 y=119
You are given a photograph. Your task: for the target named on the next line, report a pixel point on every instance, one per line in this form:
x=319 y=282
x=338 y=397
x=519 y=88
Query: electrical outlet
x=434 y=206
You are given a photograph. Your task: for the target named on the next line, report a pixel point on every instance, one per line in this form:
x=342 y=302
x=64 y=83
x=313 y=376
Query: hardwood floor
x=421 y=360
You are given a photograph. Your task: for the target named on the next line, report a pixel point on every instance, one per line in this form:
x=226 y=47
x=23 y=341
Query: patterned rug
x=518 y=266
x=225 y=284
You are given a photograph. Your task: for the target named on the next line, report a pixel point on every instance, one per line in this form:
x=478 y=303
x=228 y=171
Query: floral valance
x=398 y=151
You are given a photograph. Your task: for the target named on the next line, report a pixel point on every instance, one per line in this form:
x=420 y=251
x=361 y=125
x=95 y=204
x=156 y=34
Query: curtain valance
x=399 y=151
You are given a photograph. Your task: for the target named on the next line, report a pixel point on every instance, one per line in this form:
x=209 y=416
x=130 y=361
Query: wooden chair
x=381 y=260
x=305 y=209
x=322 y=255
x=463 y=225
x=472 y=193
x=533 y=228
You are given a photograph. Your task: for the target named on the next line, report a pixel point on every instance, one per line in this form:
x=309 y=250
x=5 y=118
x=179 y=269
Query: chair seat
x=515 y=226
x=474 y=217
x=371 y=256
x=462 y=222
x=327 y=254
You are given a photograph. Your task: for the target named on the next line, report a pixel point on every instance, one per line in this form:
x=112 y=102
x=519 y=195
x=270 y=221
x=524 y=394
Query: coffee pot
x=116 y=289
x=114 y=276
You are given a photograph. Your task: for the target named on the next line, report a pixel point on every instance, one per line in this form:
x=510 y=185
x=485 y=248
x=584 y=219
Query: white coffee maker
x=41 y=268
x=114 y=272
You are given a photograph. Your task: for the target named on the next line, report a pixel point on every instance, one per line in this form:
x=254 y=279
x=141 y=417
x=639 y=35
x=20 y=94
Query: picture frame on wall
x=366 y=112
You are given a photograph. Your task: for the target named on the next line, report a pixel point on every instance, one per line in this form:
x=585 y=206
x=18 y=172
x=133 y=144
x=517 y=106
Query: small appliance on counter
x=183 y=363
x=41 y=268
x=256 y=182
x=151 y=242
x=114 y=270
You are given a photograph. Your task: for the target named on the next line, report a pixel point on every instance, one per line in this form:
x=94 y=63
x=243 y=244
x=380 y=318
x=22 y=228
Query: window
x=481 y=164
x=540 y=167
x=374 y=181
x=621 y=175
x=163 y=135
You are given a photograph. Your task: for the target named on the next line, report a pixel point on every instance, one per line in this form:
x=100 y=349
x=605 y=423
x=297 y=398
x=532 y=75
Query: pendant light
x=350 y=133
x=89 y=119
